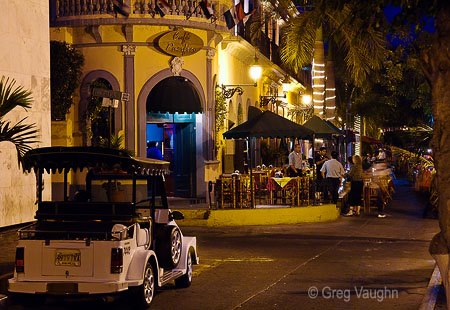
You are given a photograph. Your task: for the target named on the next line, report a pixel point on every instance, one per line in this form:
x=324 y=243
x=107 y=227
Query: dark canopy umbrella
x=338 y=131
x=267 y=125
x=321 y=128
x=174 y=94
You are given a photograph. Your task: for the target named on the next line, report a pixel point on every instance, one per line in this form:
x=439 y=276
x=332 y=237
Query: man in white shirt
x=381 y=155
x=333 y=171
x=295 y=162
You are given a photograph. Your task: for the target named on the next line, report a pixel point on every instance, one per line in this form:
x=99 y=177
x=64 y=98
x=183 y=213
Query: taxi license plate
x=68 y=257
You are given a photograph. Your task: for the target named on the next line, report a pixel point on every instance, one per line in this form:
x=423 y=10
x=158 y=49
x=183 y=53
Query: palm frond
x=363 y=47
x=298 y=40
x=11 y=98
x=21 y=135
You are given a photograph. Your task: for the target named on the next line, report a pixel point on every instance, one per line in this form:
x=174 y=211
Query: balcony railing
x=68 y=12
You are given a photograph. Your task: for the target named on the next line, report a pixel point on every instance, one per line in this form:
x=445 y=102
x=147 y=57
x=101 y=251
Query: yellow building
x=170 y=67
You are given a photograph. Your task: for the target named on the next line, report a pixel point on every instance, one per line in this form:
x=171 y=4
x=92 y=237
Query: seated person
x=153 y=151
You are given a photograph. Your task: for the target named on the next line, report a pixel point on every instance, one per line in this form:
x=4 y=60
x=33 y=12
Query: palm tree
x=20 y=134
x=346 y=31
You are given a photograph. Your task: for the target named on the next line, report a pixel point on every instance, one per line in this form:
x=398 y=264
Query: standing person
x=320 y=157
x=333 y=171
x=349 y=163
x=355 y=175
x=295 y=162
x=153 y=151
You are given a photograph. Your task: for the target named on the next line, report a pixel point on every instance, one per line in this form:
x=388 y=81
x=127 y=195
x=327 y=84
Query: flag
x=234 y=15
x=252 y=4
x=206 y=8
x=121 y=7
x=162 y=7
x=252 y=7
x=240 y=14
x=230 y=17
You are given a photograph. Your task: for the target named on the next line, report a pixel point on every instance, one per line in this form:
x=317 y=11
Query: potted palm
x=20 y=134
x=114 y=191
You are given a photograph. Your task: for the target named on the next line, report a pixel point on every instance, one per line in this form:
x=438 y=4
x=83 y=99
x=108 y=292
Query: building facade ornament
x=210 y=53
x=129 y=50
x=177 y=65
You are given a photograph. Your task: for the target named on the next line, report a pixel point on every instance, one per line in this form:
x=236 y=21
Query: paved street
x=355 y=263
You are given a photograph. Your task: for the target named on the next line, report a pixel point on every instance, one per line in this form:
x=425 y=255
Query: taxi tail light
x=20 y=259
x=116 y=260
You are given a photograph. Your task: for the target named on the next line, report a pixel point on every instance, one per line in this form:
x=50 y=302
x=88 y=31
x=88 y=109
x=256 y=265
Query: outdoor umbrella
x=267 y=125
x=336 y=129
x=321 y=128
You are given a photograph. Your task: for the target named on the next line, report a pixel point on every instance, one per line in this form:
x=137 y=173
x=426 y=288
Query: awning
x=174 y=94
x=370 y=140
x=59 y=158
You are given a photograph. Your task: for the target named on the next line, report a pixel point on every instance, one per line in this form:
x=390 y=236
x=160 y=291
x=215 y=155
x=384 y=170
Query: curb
x=429 y=300
x=259 y=216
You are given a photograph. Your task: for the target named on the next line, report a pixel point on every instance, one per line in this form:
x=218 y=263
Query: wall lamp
x=255 y=72
x=265 y=100
x=228 y=91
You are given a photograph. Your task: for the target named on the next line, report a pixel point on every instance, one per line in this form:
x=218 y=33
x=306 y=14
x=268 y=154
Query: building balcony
x=183 y=13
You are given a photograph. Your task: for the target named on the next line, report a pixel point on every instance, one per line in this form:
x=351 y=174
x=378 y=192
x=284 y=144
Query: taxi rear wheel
x=143 y=294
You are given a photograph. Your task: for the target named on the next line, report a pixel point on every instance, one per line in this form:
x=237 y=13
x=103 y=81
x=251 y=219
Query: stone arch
x=85 y=95
x=142 y=102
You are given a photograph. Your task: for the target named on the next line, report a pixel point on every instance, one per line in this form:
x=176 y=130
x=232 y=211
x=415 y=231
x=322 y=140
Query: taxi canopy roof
x=65 y=158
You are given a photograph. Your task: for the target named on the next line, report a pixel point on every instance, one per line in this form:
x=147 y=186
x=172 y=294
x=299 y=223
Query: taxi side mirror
x=176 y=215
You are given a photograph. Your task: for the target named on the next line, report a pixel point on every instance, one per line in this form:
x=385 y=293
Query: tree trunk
x=438 y=64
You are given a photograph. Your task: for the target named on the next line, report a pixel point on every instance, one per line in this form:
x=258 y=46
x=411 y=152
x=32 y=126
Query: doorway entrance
x=176 y=141
x=171 y=107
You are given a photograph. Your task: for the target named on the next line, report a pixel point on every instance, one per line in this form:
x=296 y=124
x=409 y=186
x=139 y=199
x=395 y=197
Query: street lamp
x=255 y=72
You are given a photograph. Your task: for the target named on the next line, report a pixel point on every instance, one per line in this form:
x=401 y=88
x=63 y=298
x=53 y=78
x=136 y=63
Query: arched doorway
x=170 y=107
x=89 y=81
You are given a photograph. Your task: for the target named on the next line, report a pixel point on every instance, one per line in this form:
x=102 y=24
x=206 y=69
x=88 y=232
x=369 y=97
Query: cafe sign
x=180 y=43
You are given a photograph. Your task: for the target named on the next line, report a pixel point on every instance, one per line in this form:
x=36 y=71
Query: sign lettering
x=180 y=43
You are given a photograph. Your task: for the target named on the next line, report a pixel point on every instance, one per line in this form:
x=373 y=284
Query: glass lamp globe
x=255 y=72
x=306 y=99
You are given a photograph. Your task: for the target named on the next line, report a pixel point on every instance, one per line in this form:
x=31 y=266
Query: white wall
x=24 y=56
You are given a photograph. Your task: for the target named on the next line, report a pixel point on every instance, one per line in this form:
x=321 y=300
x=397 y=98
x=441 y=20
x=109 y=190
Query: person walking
x=334 y=172
x=295 y=162
x=355 y=175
